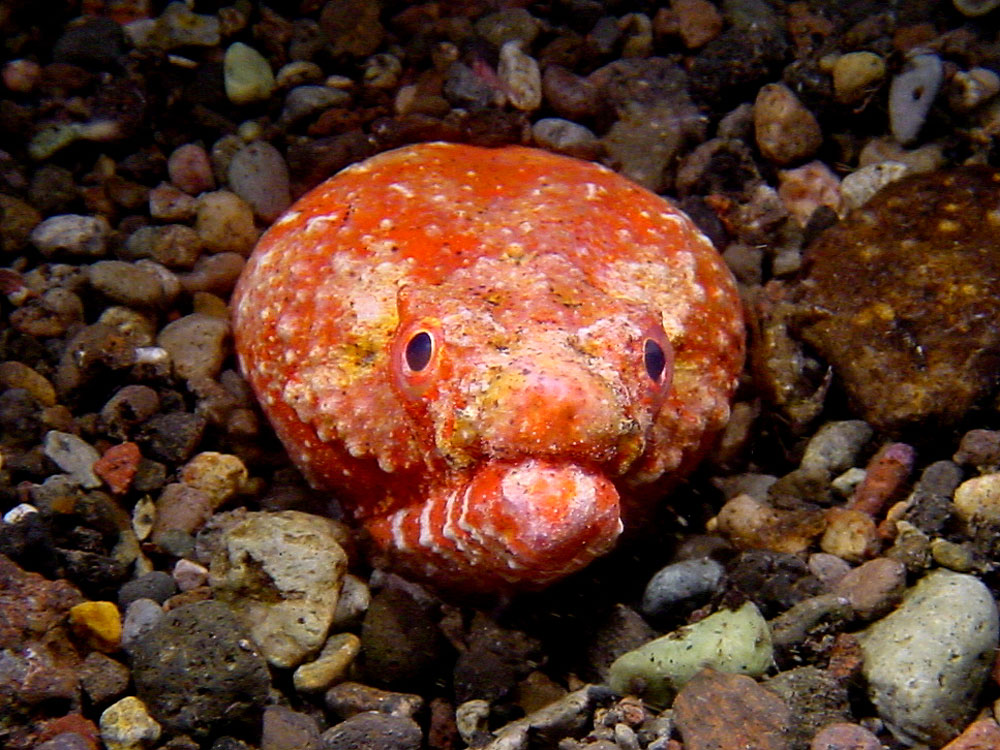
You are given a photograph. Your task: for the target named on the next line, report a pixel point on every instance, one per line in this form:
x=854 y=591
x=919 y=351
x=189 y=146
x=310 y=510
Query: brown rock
x=983 y=734
x=905 y=292
x=717 y=711
x=844 y=736
x=786 y=131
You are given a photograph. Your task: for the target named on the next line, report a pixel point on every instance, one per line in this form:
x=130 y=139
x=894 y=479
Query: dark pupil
x=654 y=358
x=418 y=351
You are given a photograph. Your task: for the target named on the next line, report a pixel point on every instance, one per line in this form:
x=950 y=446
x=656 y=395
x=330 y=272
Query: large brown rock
x=902 y=298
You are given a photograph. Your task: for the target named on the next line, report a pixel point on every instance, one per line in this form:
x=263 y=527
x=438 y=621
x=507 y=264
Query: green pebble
x=248 y=75
x=737 y=641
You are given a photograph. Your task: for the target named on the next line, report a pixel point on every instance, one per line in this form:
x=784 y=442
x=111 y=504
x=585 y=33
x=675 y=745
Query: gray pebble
x=173 y=245
x=284 y=729
x=521 y=76
x=680 y=583
x=836 y=445
x=128 y=284
x=911 y=94
x=73 y=234
x=197 y=345
x=566 y=137
x=140 y=616
x=927 y=662
x=259 y=175
x=157 y=585
x=374 y=731
x=198 y=672
x=74 y=455
x=509 y=24
x=305 y=101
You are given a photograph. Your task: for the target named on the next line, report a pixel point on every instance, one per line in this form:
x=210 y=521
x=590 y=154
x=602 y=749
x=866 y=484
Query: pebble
x=805 y=189
x=872 y=274
x=874 y=587
x=157 y=585
x=180 y=508
x=190 y=169
x=857 y=75
x=718 y=711
x=729 y=640
x=969 y=89
x=19 y=375
x=299 y=558
x=570 y=96
x=926 y=662
x=793 y=626
x=697 y=22
x=508 y=25
x=20 y=76
x=885 y=479
x=859 y=186
x=103 y=679
x=687 y=583
x=816 y=697
x=198 y=345
x=977 y=500
x=72 y=234
x=844 y=736
x=644 y=142
x=218 y=475
x=836 y=445
x=309 y=100
x=179 y=26
x=979 y=448
x=284 y=729
x=75 y=456
x=127 y=725
x=198 y=672
x=521 y=77
x=98 y=624
x=128 y=283
x=354 y=600
x=169 y=203
x=298 y=72
x=140 y=616
x=850 y=534
x=247 y=75
x=118 y=465
x=352 y=27
x=558 y=719
x=786 y=131
x=565 y=137
x=135 y=326
x=374 y=731
x=958 y=557
x=336 y=657
x=17 y=220
x=173 y=245
x=225 y=223
x=982 y=734
x=188 y=574
x=349 y=698
x=382 y=71
x=259 y=175
x=911 y=94
x=216 y=274
x=976 y=8
x=129 y=408
x=751 y=524
x=401 y=643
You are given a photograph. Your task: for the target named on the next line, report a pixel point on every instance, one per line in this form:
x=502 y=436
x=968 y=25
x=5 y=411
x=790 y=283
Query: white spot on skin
x=402 y=189
x=318 y=223
x=287 y=218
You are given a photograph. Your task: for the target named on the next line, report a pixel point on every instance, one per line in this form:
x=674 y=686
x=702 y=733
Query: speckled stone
x=925 y=237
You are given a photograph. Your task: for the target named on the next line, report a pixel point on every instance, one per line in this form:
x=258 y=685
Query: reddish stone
x=718 y=711
x=72 y=723
x=983 y=734
x=885 y=477
x=118 y=465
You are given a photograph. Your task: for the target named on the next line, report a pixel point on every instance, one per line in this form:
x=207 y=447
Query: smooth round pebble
x=259 y=175
x=786 y=131
x=521 y=76
x=874 y=587
x=140 y=616
x=74 y=455
x=173 y=245
x=856 y=75
x=680 y=583
x=737 y=641
x=188 y=574
x=565 y=137
x=127 y=725
x=170 y=203
x=225 y=223
x=18 y=375
x=308 y=100
x=927 y=662
x=284 y=729
x=128 y=284
x=247 y=75
x=157 y=585
x=190 y=169
x=836 y=445
x=197 y=345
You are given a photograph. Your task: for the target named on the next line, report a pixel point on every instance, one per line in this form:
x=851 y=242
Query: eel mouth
x=534 y=521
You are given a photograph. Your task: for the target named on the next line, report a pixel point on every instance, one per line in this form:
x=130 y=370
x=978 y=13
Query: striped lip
x=528 y=522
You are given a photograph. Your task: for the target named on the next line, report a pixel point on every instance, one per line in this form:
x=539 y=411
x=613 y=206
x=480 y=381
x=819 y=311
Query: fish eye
x=654 y=358
x=419 y=350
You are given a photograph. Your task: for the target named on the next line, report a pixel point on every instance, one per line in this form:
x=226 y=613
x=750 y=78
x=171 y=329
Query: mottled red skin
x=535 y=428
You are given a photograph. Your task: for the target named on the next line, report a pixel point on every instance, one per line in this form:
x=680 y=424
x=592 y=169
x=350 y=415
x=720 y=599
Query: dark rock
x=401 y=644
x=623 y=630
x=157 y=585
x=350 y=698
x=103 y=679
x=284 y=729
x=373 y=731
x=495 y=659
x=196 y=671
x=172 y=437
x=772 y=580
x=90 y=42
x=815 y=698
x=926 y=237
x=128 y=408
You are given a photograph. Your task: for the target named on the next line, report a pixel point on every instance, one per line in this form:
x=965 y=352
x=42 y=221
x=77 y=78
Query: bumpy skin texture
x=495 y=358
